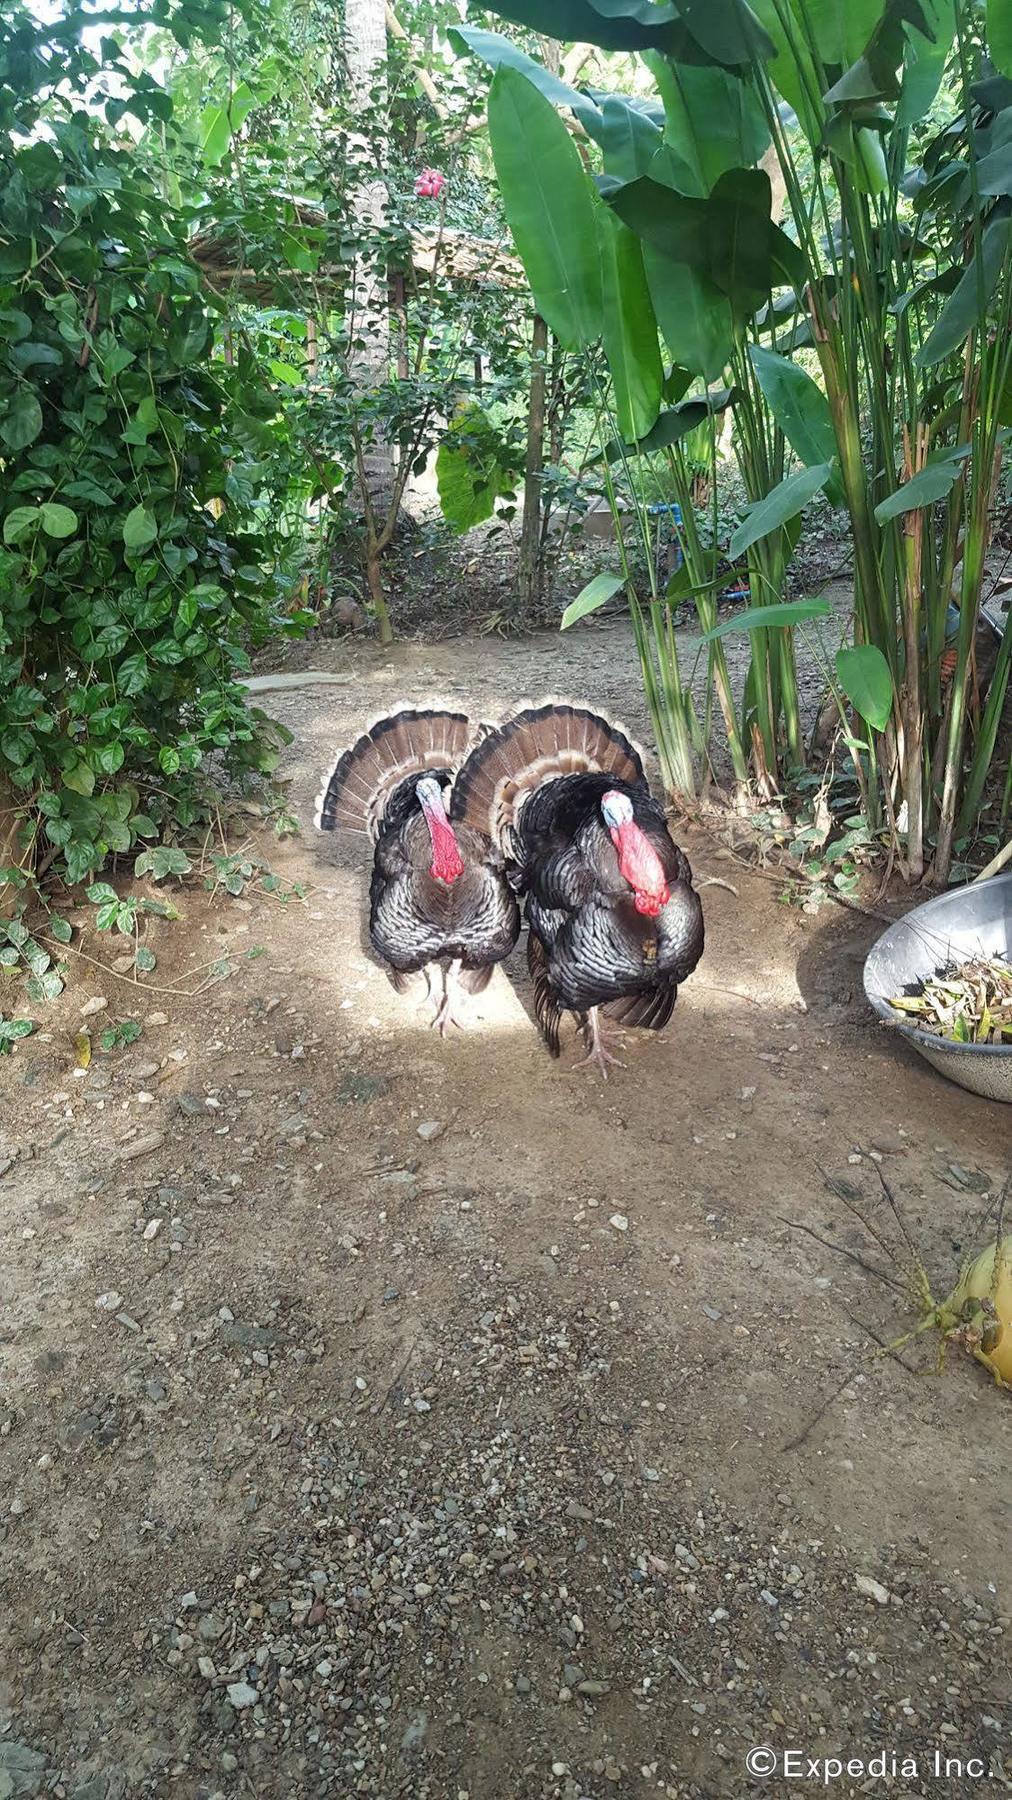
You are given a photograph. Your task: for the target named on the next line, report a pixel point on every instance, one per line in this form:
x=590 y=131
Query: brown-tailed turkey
x=439 y=901
x=614 y=921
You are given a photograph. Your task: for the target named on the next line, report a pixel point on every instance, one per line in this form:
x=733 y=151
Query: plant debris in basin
x=969 y=1002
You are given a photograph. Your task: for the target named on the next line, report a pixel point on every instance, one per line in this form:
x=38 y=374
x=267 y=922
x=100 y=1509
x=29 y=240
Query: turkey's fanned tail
x=538 y=744
x=412 y=741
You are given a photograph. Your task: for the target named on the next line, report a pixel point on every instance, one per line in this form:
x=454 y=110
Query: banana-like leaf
x=999 y=34
x=924 y=62
x=931 y=483
x=697 y=31
x=713 y=122
x=961 y=312
x=674 y=424
x=596 y=593
x=498 y=53
x=766 y=618
x=551 y=208
x=695 y=319
x=630 y=328
x=728 y=239
x=629 y=140
x=779 y=506
x=800 y=409
x=865 y=678
x=843 y=29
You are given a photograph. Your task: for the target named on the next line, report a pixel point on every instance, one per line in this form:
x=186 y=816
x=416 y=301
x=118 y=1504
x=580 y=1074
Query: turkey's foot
x=599 y=1044
x=450 y=1010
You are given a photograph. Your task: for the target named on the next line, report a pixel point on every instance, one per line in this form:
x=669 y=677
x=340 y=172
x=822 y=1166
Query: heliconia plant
x=657 y=239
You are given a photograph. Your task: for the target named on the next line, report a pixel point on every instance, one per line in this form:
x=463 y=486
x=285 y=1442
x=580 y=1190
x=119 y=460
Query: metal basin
x=968 y=921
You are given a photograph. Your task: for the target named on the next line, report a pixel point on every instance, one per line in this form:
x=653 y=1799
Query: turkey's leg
x=597 y=1040
x=448 y=1013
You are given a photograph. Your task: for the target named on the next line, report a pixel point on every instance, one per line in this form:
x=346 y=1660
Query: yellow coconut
x=978 y=1312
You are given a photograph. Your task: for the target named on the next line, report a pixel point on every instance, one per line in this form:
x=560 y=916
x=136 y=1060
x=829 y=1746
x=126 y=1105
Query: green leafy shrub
x=137 y=561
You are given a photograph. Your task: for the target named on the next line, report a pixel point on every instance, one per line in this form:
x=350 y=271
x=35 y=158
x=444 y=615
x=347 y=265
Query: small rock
x=152 y=1229
x=157 y=1018
x=96 y=1004
x=110 y=1302
x=241 y=1694
x=872 y=1589
x=713 y=1313
x=619 y=1222
x=431 y=1128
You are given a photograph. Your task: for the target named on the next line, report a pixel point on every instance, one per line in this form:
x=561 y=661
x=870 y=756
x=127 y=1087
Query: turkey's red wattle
x=447 y=862
x=640 y=865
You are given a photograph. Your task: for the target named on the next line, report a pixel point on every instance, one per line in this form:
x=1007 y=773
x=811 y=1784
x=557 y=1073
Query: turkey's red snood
x=447 y=862
x=640 y=865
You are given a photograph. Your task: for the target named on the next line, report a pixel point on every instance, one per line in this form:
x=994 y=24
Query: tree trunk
x=530 y=533
x=365 y=49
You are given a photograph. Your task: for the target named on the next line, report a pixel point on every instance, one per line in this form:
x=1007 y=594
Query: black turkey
x=439 y=901
x=615 y=923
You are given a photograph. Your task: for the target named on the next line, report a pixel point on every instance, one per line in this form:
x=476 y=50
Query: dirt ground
x=394 y=1417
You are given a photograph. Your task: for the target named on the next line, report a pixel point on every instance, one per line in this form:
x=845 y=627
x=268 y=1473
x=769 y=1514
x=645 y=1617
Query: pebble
x=872 y=1589
x=241 y=1694
x=431 y=1128
x=619 y=1222
x=96 y=1004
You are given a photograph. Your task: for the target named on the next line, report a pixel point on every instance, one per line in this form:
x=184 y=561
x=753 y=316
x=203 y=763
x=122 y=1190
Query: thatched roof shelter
x=456 y=255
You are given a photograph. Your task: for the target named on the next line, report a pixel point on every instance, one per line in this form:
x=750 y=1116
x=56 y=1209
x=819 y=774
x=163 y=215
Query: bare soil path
x=389 y=1417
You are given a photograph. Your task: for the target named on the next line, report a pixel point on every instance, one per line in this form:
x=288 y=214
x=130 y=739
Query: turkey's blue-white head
x=638 y=861
x=447 y=862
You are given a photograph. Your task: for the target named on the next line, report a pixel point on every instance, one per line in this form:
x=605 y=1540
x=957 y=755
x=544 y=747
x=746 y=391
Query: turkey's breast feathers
x=416 y=919
x=599 y=947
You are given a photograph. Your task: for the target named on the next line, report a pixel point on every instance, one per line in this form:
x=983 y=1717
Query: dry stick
x=851 y=1255
x=836 y=1187
x=149 y=987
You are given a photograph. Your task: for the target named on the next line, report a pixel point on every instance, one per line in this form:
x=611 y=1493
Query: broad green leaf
x=596 y=593
x=994 y=171
x=924 y=61
x=19 y=522
x=728 y=239
x=784 y=503
x=800 y=409
x=499 y=53
x=163 y=860
x=550 y=206
x=630 y=328
x=58 y=521
x=843 y=29
x=632 y=25
x=695 y=320
x=469 y=484
x=629 y=140
x=140 y=528
x=79 y=778
x=101 y=894
x=713 y=122
x=960 y=314
x=285 y=372
x=22 y=421
x=792 y=70
x=766 y=618
x=999 y=34
x=675 y=423
x=931 y=483
x=60 y=929
x=48 y=986
x=219 y=124
x=865 y=678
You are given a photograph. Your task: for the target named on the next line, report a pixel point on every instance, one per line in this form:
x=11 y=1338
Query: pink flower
x=430 y=184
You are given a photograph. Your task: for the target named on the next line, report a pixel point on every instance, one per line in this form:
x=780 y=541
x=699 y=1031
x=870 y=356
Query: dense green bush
x=137 y=557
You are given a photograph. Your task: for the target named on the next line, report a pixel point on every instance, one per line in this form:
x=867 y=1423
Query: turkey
x=615 y=923
x=439 y=902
